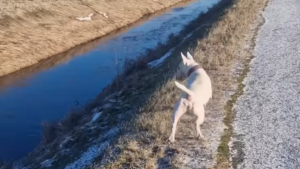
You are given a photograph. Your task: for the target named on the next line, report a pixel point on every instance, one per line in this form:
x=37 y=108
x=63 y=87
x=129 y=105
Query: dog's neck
x=193 y=69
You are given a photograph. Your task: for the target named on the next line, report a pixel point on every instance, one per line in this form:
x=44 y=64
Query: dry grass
x=218 y=52
x=151 y=94
x=136 y=85
x=31 y=31
x=129 y=80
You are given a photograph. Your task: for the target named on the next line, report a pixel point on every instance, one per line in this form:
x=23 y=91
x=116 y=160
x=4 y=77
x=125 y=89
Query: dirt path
x=31 y=31
x=267 y=128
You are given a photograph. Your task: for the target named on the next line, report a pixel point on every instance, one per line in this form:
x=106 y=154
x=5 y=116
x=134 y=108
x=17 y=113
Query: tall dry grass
x=131 y=82
x=128 y=80
x=151 y=94
x=148 y=147
x=31 y=31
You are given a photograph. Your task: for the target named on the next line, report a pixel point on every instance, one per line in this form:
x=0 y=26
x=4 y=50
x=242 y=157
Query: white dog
x=196 y=94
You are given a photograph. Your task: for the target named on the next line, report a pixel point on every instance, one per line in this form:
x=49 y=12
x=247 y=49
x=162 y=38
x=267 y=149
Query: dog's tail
x=183 y=88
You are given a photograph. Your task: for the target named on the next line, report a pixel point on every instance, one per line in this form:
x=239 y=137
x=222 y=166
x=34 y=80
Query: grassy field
x=31 y=31
x=144 y=98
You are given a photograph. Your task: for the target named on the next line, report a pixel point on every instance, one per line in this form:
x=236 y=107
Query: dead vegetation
x=150 y=94
x=218 y=53
x=31 y=31
x=131 y=79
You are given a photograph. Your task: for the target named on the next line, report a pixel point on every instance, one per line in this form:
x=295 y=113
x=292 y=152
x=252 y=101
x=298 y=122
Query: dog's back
x=200 y=84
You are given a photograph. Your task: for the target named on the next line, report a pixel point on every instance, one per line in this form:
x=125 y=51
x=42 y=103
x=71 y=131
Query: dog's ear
x=184 y=59
x=189 y=56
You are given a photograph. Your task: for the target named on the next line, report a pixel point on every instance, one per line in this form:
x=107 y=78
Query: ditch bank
x=142 y=140
x=35 y=30
x=55 y=86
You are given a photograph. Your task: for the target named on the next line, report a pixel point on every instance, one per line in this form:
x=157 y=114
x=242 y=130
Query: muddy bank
x=31 y=31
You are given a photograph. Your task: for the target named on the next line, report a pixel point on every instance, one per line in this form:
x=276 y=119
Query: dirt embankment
x=34 y=30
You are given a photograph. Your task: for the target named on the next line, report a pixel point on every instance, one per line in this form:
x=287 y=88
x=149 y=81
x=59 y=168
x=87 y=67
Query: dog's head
x=184 y=67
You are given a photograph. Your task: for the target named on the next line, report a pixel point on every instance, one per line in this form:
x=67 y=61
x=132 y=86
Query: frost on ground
x=87 y=158
x=266 y=126
x=47 y=163
x=64 y=142
x=159 y=61
x=95 y=117
x=94 y=151
x=80 y=147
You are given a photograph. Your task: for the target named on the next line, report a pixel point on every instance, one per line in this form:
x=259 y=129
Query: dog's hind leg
x=179 y=109
x=200 y=113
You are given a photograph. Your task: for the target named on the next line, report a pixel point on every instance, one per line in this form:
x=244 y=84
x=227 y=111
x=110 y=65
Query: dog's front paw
x=203 y=138
x=171 y=139
x=200 y=136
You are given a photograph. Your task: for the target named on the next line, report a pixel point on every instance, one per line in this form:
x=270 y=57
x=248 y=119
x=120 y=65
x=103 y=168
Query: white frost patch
x=64 y=151
x=19 y=165
x=96 y=110
x=96 y=117
x=159 y=61
x=87 y=158
x=66 y=140
x=111 y=132
x=107 y=105
x=93 y=152
x=113 y=95
x=112 y=100
x=47 y=163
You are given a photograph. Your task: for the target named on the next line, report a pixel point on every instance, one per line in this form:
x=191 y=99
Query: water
x=47 y=91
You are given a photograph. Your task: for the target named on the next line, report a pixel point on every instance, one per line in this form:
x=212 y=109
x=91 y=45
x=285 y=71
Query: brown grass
x=131 y=80
x=127 y=81
x=31 y=31
x=218 y=52
x=151 y=94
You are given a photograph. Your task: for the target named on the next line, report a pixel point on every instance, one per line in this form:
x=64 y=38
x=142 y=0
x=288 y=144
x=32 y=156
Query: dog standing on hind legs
x=195 y=94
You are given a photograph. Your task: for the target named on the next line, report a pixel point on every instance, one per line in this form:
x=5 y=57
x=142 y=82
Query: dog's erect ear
x=189 y=56
x=182 y=55
x=184 y=59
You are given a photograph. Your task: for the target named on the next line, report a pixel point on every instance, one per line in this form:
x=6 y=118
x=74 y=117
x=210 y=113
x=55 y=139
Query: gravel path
x=267 y=122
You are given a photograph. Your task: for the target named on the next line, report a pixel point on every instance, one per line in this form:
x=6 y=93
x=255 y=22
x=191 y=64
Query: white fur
x=183 y=88
x=198 y=88
x=88 y=18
